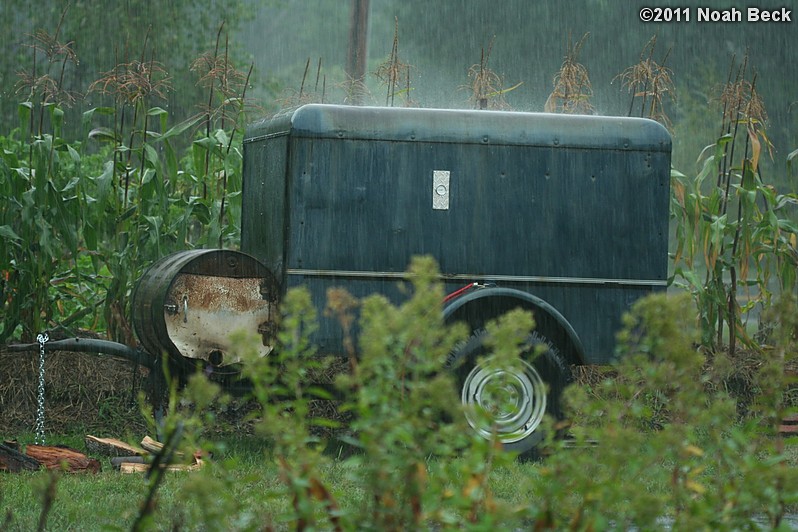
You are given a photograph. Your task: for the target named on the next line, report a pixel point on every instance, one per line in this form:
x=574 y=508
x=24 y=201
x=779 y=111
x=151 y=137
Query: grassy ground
x=111 y=500
x=244 y=488
x=243 y=481
x=240 y=488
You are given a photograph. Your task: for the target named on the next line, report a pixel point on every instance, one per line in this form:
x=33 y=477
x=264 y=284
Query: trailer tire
x=526 y=392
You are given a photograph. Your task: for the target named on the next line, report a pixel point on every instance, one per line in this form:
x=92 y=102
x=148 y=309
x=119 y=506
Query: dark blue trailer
x=564 y=215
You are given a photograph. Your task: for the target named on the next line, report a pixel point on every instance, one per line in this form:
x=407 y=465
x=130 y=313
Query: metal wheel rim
x=511 y=401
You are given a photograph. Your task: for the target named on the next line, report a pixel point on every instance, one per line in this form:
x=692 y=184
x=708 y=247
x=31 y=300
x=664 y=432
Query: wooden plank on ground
x=111 y=447
x=131 y=467
x=151 y=445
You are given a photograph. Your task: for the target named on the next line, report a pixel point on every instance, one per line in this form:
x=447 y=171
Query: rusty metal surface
x=201 y=312
x=224 y=291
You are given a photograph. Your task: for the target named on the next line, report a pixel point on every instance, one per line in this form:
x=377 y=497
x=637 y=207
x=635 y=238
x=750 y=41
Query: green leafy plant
x=216 y=156
x=414 y=461
x=282 y=388
x=43 y=197
x=658 y=443
x=419 y=463
x=78 y=230
x=736 y=228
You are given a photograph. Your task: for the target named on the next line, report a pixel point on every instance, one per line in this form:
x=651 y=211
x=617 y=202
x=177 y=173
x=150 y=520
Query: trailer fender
x=477 y=307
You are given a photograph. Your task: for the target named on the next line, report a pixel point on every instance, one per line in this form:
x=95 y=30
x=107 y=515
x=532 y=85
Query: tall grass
x=649 y=83
x=392 y=72
x=485 y=85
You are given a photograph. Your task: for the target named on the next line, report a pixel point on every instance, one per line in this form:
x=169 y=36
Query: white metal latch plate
x=440 y=190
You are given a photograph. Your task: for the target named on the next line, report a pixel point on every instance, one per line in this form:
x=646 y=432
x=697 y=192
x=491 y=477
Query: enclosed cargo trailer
x=566 y=216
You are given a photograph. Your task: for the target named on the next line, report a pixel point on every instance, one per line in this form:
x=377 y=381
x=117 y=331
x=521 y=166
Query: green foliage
x=43 y=206
x=654 y=443
x=280 y=385
x=745 y=254
x=407 y=424
x=658 y=445
x=731 y=226
x=76 y=225
x=407 y=433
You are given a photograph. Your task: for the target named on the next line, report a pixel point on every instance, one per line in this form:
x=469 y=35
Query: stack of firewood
x=130 y=459
x=123 y=457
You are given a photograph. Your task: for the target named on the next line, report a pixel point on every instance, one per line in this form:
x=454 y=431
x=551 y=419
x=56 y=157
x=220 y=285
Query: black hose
x=91 y=345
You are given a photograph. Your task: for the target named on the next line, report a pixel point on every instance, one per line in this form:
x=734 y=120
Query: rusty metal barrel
x=188 y=304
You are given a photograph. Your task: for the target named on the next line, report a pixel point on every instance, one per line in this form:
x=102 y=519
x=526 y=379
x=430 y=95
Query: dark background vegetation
x=440 y=40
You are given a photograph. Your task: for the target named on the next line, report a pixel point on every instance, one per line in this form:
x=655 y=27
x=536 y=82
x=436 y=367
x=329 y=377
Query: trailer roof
x=464 y=126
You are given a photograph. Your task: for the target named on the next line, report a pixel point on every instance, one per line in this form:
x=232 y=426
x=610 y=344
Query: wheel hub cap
x=511 y=401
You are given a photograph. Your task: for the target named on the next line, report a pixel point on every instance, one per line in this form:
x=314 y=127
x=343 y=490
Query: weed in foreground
x=654 y=444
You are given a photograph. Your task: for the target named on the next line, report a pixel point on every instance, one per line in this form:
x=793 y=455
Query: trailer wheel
x=510 y=400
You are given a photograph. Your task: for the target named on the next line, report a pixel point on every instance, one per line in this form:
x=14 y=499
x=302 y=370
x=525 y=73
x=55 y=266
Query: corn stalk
x=737 y=229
